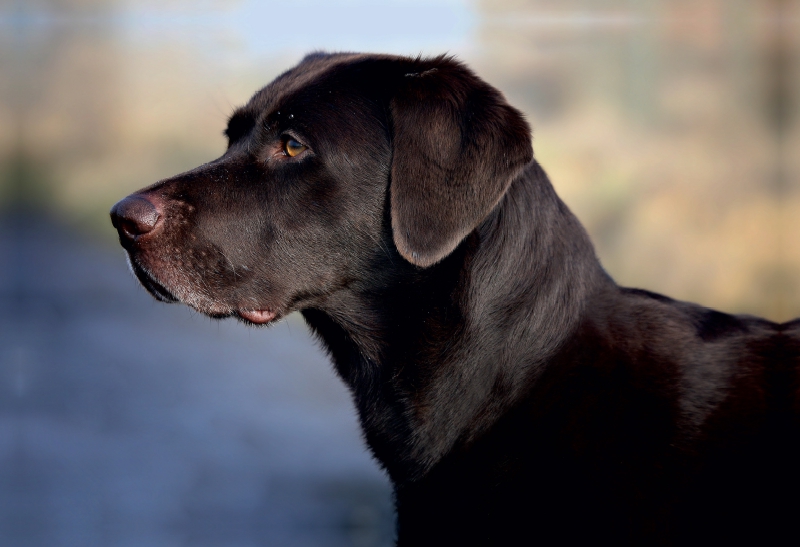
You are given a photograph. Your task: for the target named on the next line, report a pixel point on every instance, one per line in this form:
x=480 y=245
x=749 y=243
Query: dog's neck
x=412 y=344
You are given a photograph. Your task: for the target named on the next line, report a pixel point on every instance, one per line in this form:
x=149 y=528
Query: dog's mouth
x=155 y=288
x=261 y=316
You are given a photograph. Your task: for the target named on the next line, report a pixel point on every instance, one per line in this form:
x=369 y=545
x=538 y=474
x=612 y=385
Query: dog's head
x=338 y=159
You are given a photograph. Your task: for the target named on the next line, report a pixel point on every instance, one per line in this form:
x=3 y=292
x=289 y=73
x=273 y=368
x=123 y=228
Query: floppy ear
x=457 y=147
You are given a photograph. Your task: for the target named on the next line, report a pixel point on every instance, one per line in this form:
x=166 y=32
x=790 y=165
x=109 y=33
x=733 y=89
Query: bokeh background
x=670 y=127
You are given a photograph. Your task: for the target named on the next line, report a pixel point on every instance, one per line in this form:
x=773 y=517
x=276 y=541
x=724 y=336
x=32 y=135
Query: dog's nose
x=134 y=216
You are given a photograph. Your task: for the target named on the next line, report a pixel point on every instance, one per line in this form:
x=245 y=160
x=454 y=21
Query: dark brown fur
x=513 y=393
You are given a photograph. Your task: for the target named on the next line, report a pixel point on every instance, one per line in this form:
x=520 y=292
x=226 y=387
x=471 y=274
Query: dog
x=513 y=393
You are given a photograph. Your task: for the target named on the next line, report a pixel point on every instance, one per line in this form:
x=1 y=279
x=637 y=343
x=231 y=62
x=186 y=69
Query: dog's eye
x=291 y=147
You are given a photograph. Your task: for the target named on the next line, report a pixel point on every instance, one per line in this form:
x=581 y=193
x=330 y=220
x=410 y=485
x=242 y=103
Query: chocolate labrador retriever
x=511 y=390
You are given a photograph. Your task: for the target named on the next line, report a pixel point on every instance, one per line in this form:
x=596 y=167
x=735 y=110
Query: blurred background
x=670 y=127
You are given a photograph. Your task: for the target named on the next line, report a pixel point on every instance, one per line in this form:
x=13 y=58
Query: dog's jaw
x=256 y=315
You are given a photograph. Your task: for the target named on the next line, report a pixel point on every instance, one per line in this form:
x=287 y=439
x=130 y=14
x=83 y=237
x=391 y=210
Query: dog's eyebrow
x=239 y=125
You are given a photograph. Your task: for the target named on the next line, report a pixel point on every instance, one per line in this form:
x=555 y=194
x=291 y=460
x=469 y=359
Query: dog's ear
x=457 y=147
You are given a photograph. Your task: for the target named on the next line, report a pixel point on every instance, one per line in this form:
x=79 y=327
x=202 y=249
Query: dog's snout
x=134 y=216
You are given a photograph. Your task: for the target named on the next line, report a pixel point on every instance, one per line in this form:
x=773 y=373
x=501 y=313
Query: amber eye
x=291 y=147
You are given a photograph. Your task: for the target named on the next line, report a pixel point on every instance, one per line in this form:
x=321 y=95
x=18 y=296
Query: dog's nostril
x=134 y=216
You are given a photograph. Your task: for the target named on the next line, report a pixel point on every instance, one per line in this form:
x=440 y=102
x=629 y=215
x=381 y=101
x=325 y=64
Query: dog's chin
x=159 y=291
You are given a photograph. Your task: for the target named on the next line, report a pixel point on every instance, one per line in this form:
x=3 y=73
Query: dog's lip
x=159 y=291
x=260 y=317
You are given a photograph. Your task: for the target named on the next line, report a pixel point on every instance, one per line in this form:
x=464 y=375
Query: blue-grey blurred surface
x=128 y=422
